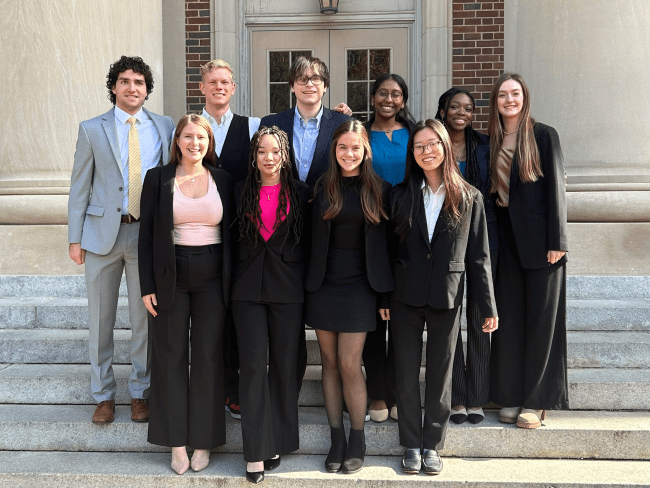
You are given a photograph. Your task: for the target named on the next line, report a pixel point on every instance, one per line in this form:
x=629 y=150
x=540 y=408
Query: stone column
x=586 y=64
x=55 y=59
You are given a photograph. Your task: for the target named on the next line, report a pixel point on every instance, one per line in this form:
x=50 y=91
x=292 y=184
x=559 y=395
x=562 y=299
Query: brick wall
x=477 y=51
x=197 y=50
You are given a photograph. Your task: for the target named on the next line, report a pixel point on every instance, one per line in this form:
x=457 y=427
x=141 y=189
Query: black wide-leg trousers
x=407 y=325
x=529 y=350
x=471 y=377
x=186 y=407
x=269 y=400
x=379 y=363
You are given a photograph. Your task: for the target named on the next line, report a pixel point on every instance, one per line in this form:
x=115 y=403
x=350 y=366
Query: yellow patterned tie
x=135 y=172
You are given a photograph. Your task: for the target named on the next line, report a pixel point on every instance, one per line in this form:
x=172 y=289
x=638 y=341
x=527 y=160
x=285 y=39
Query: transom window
x=364 y=66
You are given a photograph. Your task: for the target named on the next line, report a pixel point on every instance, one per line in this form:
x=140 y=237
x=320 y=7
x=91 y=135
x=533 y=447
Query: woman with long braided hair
x=267 y=299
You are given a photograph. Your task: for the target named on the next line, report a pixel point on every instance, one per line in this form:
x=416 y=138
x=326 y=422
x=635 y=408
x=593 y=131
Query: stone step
x=586 y=349
x=589 y=389
x=565 y=434
x=72 y=313
x=580 y=287
x=151 y=470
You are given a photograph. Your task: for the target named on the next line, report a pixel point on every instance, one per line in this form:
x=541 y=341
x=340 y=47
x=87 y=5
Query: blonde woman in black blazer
x=267 y=299
x=348 y=267
x=440 y=232
x=529 y=352
x=183 y=282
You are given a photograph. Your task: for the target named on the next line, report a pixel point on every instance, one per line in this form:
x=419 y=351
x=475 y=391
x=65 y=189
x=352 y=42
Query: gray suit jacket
x=96 y=193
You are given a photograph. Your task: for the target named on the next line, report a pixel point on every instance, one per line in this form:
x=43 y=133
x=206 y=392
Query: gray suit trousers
x=103 y=275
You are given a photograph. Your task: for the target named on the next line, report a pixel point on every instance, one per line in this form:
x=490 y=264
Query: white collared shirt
x=433 y=202
x=150 y=146
x=220 y=128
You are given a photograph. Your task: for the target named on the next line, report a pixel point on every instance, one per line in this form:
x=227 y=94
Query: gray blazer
x=96 y=193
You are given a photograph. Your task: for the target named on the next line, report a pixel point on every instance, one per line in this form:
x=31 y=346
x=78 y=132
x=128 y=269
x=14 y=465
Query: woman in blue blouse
x=388 y=129
x=471 y=380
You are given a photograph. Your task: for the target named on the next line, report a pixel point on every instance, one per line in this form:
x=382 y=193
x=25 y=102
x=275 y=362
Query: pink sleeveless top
x=196 y=220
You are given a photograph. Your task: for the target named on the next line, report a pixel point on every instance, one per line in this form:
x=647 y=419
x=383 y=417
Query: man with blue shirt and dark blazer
x=309 y=127
x=114 y=152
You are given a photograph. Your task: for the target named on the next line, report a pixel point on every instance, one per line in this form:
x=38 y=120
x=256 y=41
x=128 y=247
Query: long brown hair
x=209 y=158
x=530 y=167
x=458 y=193
x=249 y=211
x=331 y=183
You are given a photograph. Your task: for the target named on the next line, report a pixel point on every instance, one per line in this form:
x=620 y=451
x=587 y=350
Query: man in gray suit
x=114 y=152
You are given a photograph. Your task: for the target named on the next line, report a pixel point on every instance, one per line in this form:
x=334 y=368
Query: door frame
x=411 y=19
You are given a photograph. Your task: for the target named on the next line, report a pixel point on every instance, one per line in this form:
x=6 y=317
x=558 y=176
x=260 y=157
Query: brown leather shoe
x=139 y=410
x=104 y=412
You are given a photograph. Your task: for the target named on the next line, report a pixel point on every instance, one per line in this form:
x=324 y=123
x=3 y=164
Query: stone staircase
x=47 y=439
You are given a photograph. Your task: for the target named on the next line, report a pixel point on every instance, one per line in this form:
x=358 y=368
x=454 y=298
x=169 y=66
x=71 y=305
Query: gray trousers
x=103 y=275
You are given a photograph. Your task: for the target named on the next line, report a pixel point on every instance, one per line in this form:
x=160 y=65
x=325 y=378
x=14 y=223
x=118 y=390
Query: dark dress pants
x=231 y=360
x=186 y=408
x=269 y=400
x=471 y=377
x=529 y=350
x=379 y=363
x=407 y=325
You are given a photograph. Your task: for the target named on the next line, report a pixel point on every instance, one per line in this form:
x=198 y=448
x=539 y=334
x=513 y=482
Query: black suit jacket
x=156 y=251
x=431 y=272
x=377 y=261
x=538 y=210
x=274 y=270
x=328 y=124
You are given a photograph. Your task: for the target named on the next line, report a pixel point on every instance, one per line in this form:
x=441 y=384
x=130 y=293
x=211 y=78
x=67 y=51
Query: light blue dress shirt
x=220 y=128
x=305 y=134
x=150 y=147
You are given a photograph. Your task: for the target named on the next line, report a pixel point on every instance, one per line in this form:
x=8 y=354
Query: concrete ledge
x=575 y=434
x=69 y=384
x=586 y=349
x=149 y=470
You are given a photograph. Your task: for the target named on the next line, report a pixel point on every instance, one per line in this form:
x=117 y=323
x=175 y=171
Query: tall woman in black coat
x=529 y=357
x=440 y=231
x=348 y=268
x=184 y=264
x=267 y=299
x=471 y=382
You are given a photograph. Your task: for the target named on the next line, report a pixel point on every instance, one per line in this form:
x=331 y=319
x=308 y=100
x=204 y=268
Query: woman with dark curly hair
x=471 y=379
x=348 y=268
x=267 y=299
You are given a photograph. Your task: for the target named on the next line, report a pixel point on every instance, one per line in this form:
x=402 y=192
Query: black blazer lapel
x=422 y=223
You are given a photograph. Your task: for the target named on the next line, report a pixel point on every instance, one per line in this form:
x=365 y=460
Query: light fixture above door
x=329 y=7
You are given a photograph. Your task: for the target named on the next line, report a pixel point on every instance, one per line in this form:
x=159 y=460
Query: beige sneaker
x=508 y=415
x=530 y=419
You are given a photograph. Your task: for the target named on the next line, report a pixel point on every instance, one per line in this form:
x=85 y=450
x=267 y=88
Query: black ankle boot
x=356 y=452
x=334 y=459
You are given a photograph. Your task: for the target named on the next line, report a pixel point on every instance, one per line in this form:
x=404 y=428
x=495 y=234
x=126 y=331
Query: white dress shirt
x=433 y=202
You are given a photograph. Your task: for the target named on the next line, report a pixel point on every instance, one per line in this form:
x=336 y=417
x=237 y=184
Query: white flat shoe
x=458 y=416
x=393 y=412
x=475 y=416
x=379 y=415
x=508 y=415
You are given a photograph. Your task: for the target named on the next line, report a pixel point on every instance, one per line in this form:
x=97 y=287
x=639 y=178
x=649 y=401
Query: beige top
x=504 y=166
x=196 y=220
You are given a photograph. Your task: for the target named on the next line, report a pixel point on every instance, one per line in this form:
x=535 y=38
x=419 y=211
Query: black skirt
x=345 y=302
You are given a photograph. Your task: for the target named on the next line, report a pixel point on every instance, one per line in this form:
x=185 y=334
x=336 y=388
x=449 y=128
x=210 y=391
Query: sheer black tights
x=342 y=376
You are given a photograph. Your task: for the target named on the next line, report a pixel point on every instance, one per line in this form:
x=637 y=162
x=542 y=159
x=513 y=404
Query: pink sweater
x=196 y=220
x=269 y=200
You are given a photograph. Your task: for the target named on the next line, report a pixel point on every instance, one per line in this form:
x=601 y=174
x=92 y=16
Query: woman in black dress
x=529 y=353
x=471 y=381
x=267 y=300
x=348 y=268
